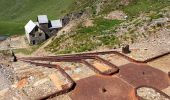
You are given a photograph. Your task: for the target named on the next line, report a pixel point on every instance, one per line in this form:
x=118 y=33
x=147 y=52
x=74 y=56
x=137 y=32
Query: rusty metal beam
x=114 y=52
x=81 y=59
x=89 y=55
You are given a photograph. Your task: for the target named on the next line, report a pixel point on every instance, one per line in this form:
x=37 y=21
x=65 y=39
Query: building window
x=40 y=34
x=32 y=35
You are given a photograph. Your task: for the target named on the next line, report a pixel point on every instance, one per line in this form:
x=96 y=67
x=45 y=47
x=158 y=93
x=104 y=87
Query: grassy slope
x=15 y=13
x=102 y=34
x=135 y=7
x=86 y=38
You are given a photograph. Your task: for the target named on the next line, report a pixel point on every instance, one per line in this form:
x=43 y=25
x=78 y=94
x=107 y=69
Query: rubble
x=150 y=94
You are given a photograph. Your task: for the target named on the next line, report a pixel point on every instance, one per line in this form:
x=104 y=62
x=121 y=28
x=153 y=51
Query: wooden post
x=125 y=49
x=14 y=58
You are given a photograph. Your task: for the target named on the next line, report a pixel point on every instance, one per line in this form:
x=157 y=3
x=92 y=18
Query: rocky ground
x=154 y=45
x=150 y=94
x=146 y=36
x=14 y=43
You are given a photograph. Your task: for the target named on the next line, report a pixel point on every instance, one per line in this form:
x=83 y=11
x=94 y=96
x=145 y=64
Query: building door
x=33 y=42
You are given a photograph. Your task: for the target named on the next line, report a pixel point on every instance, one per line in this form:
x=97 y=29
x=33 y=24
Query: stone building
x=33 y=33
x=44 y=24
x=37 y=32
x=55 y=26
x=43 y=21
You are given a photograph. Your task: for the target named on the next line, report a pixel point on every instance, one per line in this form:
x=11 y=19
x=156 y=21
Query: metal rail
x=81 y=58
x=117 y=53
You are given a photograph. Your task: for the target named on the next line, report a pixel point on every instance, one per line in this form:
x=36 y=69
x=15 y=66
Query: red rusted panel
x=142 y=74
x=102 y=88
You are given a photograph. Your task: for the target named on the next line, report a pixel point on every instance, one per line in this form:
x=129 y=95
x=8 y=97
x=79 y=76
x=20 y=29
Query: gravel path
x=5 y=77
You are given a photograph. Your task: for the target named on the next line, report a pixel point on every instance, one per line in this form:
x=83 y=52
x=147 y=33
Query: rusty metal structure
x=108 y=84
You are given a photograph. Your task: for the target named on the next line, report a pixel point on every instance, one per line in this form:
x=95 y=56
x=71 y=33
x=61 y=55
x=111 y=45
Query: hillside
x=15 y=14
x=103 y=50
x=113 y=32
x=106 y=24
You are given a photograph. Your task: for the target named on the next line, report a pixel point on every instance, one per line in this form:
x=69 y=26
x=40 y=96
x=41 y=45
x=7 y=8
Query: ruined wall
x=38 y=37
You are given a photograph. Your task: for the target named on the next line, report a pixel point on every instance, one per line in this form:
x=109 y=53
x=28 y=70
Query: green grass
x=23 y=10
x=27 y=51
x=100 y=25
x=144 y=6
x=14 y=14
x=87 y=38
x=24 y=51
x=11 y=28
x=135 y=7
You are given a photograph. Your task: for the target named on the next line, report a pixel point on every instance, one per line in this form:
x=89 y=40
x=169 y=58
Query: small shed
x=33 y=33
x=43 y=21
x=30 y=27
x=56 y=24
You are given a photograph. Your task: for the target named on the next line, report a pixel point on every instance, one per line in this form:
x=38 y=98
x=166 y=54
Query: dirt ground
x=14 y=43
x=88 y=23
x=162 y=64
x=119 y=15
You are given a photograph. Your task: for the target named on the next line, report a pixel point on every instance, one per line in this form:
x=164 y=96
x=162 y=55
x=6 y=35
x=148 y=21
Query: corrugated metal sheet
x=56 y=23
x=30 y=26
x=42 y=19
